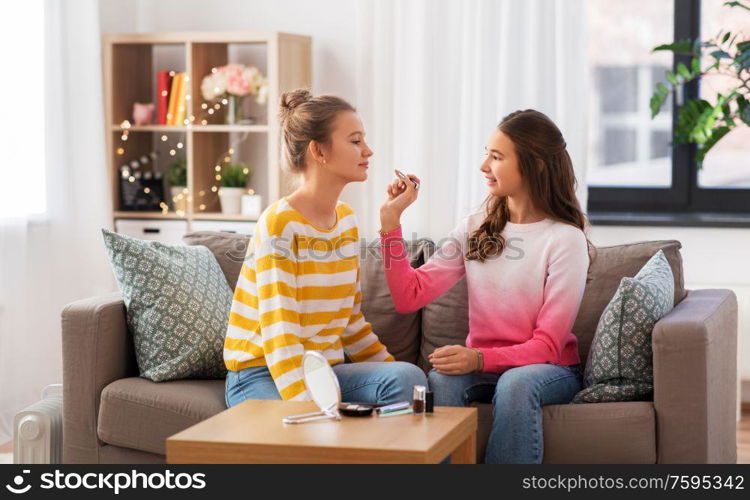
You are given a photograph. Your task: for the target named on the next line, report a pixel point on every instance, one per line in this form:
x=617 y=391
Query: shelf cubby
x=131 y=63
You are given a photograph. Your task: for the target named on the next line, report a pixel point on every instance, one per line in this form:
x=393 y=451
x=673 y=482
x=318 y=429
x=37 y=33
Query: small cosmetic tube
x=429 y=406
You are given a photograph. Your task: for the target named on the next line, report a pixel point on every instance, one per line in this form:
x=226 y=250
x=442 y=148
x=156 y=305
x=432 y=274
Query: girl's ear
x=316 y=152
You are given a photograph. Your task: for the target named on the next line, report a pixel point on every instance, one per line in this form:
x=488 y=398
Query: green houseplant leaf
x=737 y=4
x=699 y=121
x=711 y=140
x=744 y=109
x=234 y=175
x=177 y=173
x=684 y=71
x=685 y=47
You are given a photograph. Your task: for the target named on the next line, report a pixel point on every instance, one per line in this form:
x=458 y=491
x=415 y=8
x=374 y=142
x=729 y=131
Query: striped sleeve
x=242 y=345
x=276 y=272
x=358 y=339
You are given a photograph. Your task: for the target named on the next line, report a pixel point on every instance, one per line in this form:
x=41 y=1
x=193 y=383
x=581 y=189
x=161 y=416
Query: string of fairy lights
x=129 y=170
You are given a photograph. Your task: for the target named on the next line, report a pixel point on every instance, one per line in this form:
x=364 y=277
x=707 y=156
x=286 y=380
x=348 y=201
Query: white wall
x=331 y=24
x=117 y=16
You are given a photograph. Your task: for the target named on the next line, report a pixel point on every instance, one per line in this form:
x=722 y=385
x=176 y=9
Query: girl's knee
x=409 y=373
x=522 y=379
x=516 y=389
x=397 y=380
x=436 y=379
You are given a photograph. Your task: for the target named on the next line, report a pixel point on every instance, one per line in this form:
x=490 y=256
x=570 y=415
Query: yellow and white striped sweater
x=299 y=289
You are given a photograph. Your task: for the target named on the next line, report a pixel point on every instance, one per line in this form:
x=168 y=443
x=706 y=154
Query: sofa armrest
x=97 y=350
x=695 y=379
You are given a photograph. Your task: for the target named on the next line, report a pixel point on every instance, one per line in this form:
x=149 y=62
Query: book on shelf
x=181 y=101
x=174 y=98
x=163 y=86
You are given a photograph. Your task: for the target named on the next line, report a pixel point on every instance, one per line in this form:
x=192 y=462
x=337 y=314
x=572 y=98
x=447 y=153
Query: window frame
x=685 y=196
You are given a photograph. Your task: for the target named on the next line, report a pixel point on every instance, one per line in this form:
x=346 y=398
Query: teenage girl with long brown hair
x=525 y=257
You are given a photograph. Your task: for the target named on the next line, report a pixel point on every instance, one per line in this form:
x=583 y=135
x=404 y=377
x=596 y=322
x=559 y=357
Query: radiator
x=38 y=430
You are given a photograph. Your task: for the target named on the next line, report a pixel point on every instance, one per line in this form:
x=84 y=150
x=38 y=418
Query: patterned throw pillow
x=620 y=365
x=177 y=301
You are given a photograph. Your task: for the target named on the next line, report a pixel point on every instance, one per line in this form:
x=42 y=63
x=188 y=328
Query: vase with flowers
x=231 y=84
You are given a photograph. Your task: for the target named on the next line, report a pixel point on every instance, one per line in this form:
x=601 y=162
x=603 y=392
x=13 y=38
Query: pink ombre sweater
x=522 y=304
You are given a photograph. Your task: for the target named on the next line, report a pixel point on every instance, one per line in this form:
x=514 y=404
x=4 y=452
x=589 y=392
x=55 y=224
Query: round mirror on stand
x=324 y=389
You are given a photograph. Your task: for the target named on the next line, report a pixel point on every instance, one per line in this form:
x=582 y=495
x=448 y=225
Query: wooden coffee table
x=252 y=432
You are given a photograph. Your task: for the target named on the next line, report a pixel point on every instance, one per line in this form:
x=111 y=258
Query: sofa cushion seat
x=623 y=433
x=140 y=414
x=595 y=433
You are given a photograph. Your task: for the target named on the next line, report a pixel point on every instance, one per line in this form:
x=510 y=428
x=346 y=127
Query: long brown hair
x=547 y=169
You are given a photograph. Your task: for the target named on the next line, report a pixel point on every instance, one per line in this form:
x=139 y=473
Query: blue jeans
x=517 y=397
x=368 y=382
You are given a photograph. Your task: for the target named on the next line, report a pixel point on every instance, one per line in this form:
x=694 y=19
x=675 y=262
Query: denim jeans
x=368 y=382
x=517 y=397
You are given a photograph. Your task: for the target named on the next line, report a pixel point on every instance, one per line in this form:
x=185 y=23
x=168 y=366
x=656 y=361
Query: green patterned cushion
x=177 y=301
x=619 y=366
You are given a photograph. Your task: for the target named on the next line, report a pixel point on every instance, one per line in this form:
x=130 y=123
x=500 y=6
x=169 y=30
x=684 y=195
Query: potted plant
x=233 y=82
x=234 y=178
x=699 y=121
x=177 y=180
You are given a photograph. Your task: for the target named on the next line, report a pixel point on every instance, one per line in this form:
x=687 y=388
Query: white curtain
x=434 y=77
x=50 y=260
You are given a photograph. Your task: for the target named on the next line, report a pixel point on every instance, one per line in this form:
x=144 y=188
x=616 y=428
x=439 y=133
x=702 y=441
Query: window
x=627 y=148
x=634 y=168
x=22 y=185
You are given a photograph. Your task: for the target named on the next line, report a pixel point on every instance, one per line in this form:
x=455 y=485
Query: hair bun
x=290 y=100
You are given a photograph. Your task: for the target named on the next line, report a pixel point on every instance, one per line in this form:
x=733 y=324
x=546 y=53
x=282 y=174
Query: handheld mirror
x=323 y=386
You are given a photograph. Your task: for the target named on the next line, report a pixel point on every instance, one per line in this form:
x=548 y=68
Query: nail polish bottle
x=419 y=398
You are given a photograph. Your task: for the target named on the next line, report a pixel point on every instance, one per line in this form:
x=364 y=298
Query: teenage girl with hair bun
x=299 y=287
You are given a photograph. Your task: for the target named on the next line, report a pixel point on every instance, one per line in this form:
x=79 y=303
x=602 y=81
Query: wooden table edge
x=459 y=444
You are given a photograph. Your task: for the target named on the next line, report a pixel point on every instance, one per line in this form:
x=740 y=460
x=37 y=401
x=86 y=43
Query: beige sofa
x=111 y=415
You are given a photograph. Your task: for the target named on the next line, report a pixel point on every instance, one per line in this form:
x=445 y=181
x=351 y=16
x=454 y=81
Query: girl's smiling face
x=500 y=167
